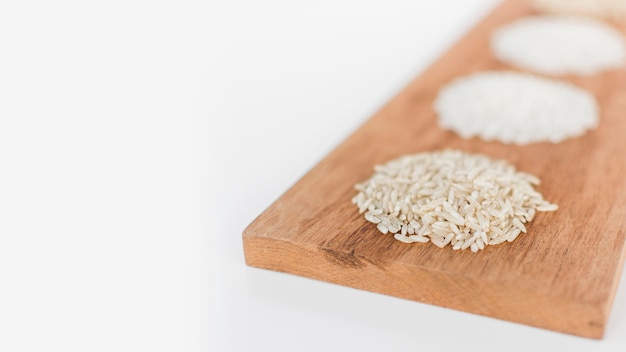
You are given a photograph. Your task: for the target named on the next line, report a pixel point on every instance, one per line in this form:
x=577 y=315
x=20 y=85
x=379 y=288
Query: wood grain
x=562 y=275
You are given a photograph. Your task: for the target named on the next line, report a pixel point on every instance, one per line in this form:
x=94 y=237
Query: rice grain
x=560 y=45
x=462 y=208
x=514 y=108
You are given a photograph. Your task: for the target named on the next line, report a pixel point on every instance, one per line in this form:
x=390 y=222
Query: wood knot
x=348 y=260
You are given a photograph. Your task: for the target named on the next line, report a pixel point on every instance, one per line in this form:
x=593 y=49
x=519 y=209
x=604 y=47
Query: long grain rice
x=472 y=201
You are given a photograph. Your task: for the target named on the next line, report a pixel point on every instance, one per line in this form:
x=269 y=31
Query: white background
x=139 y=138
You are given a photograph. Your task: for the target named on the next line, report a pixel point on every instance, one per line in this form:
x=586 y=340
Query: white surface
x=138 y=139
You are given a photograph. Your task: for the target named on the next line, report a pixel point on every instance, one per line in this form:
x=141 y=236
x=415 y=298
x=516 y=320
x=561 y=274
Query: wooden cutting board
x=562 y=275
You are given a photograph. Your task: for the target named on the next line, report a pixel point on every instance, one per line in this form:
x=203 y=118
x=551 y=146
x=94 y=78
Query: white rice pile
x=611 y=9
x=515 y=108
x=559 y=45
x=450 y=198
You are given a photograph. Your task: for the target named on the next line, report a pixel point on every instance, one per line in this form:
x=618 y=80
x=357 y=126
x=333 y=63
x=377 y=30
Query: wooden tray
x=562 y=275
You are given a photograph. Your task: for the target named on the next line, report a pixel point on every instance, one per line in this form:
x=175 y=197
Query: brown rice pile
x=450 y=198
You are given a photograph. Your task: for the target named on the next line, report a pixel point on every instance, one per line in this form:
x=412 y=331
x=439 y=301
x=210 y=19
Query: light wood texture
x=562 y=275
